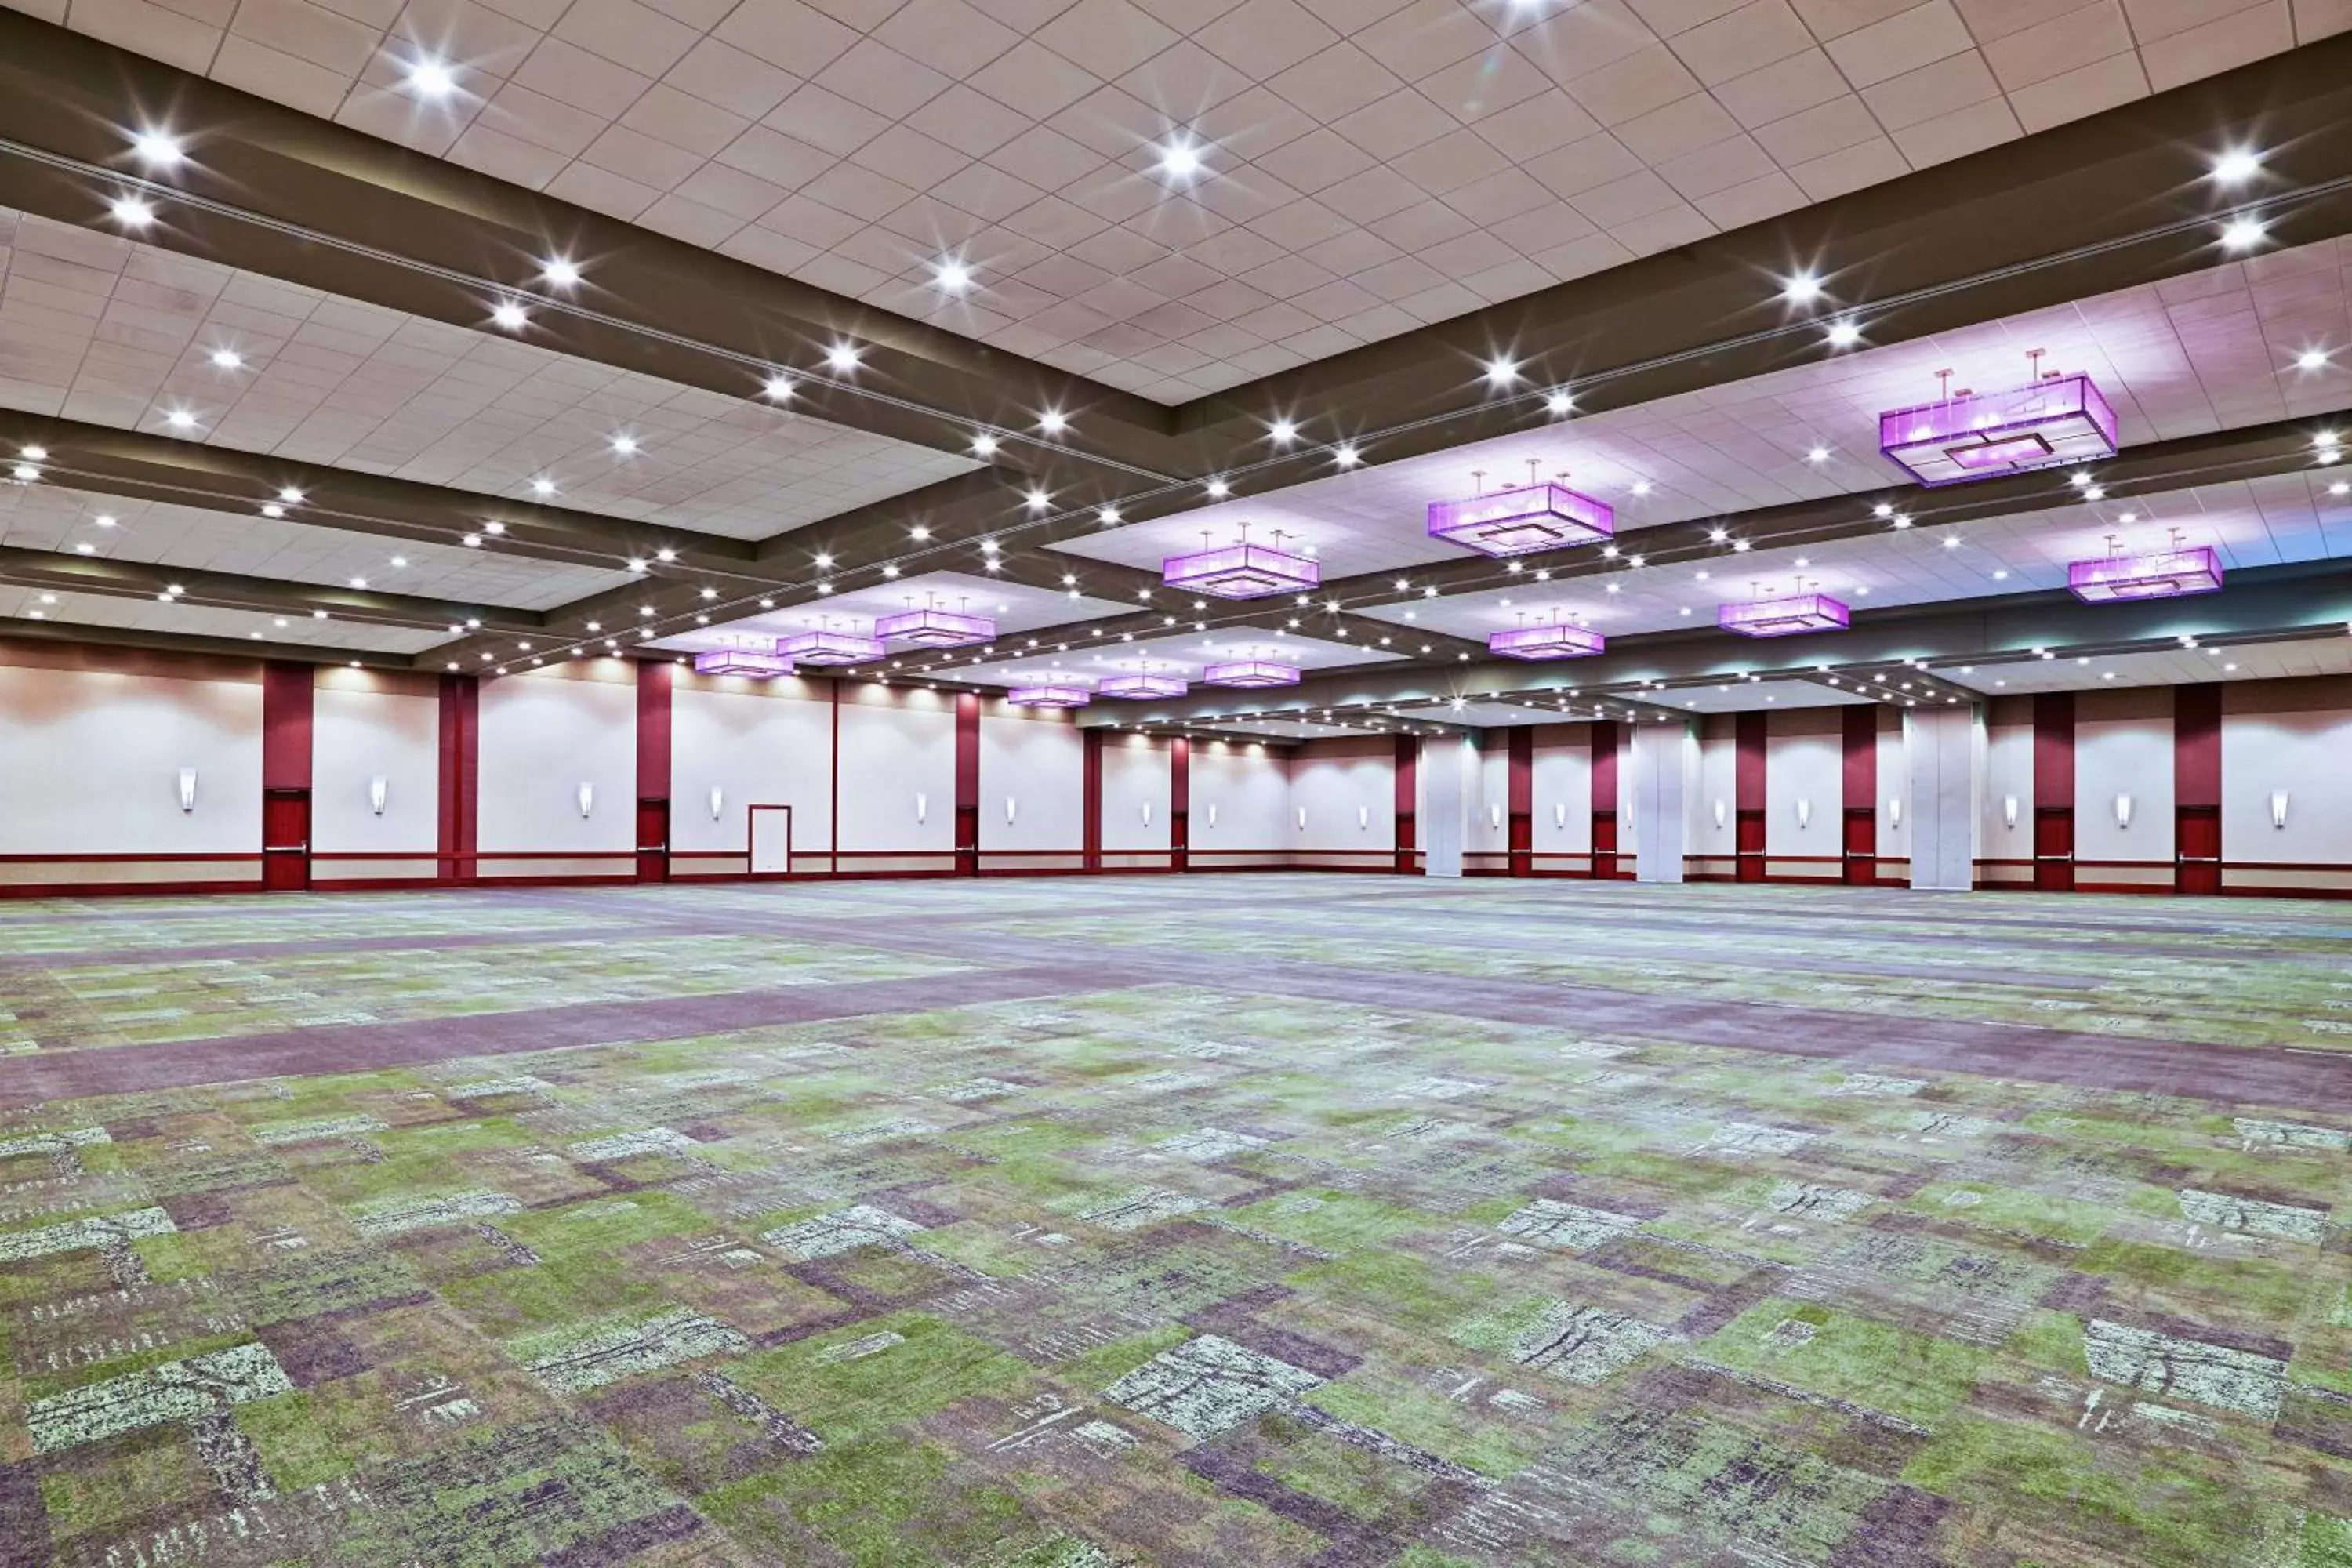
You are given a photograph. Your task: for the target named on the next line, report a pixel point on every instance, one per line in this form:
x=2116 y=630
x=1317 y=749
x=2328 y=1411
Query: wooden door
x=653 y=840
x=285 y=839
x=1748 y=846
x=2197 y=837
x=1604 y=845
x=2053 y=848
x=1861 y=844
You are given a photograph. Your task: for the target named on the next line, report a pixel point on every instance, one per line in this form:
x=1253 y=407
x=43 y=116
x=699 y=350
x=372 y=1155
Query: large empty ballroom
x=1175 y=783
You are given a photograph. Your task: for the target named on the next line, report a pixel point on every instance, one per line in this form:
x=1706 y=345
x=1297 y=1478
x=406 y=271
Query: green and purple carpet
x=1224 y=1221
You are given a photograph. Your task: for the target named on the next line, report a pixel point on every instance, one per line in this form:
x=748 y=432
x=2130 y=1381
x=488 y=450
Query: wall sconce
x=1213 y=814
x=2008 y=811
x=1719 y=813
x=1011 y=809
x=1494 y=815
x=2123 y=811
x=187 y=789
x=1363 y=817
x=1893 y=811
x=377 y=789
x=922 y=806
x=1560 y=814
x=718 y=800
x=1804 y=812
x=587 y=798
x=1302 y=819
x=2278 y=808
x=1147 y=813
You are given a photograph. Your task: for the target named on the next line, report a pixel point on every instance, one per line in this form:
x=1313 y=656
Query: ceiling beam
x=343 y=212
x=2266 y=604
x=69 y=573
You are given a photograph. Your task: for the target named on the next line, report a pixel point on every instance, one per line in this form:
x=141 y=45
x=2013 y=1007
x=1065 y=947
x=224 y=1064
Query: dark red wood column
x=657 y=680
x=1748 y=796
x=1091 y=775
x=1521 y=801
x=967 y=783
x=288 y=705
x=1179 y=804
x=1408 y=801
x=2197 y=788
x=1604 y=799
x=460 y=775
x=2054 y=790
x=1861 y=793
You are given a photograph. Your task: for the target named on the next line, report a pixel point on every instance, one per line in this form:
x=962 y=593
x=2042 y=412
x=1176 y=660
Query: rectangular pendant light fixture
x=1785 y=617
x=1250 y=673
x=1556 y=639
x=2060 y=419
x=2164 y=574
x=1240 y=571
x=830 y=647
x=935 y=628
x=1144 y=685
x=741 y=661
x=1523 y=519
x=1055 y=693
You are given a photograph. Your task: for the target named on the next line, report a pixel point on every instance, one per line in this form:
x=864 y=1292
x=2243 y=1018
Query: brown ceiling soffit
x=2262 y=604
x=104 y=643
x=75 y=98
x=1999 y=216
x=224 y=590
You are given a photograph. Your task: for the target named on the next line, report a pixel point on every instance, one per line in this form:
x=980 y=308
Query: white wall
x=1489 y=829
x=542 y=735
x=360 y=731
x=2127 y=756
x=1718 y=782
x=2009 y=774
x=1136 y=775
x=90 y=760
x=2308 y=754
x=896 y=745
x=1894 y=776
x=1563 y=777
x=760 y=742
x=1039 y=764
x=1251 y=790
x=1804 y=767
x=1337 y=790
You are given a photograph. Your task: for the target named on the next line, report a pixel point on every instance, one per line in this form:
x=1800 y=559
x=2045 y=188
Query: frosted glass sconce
x=1719 y=813
x=1302 y=819
x=922 y=806
x=1012 y=810
x=1560 y=814
x=1363 y=817
x=377 y=789
x=1494 y=815
x=587 y=798
x=2278 y=808
x=1894 y=810
x=1213 y=815
x=2008 y=811
x=1804 y=812
x=717 y=801
x=187 y=789
x=2123 y=811
x=1147 y=813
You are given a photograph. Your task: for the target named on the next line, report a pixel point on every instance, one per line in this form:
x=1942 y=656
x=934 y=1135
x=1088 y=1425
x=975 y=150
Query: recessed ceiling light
x=158 y=148
x=25 y=472
x=542 y=486
x=1817 y=455
x=400 y=560
x=1641 y=487
x=984 y=444
x=626 y=445
x=2311 y=359
x=2339 y=488
x=1501 y=370
x=1282 y=432
x=890 y=569
x=952 y=277
x=1106 y=515
x=561 y=272
x=665 y=553
x=103 y=521
x=1219 y=489
x=2094 y=493
x=509 y=315
x=1053 y=422
x=131 y=212
x=358 y=582
x=842 y=358
x=1180 y=159
x=472 y=541
x=1843 y=334
x=919 y=531
x=271 y=508
x=1801 y=290
x=1346 y=455
x=228 y=359
x=2236 y=168
x=180 y=419
x=1038 y=501
x=2242 y=234
x=85 y=548
x=431 y=79
x=1559 y=403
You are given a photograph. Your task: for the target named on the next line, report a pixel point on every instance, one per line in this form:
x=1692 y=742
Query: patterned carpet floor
x=1223 y=1221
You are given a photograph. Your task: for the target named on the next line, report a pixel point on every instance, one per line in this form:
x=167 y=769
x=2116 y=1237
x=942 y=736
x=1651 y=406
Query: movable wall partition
x=121 y=770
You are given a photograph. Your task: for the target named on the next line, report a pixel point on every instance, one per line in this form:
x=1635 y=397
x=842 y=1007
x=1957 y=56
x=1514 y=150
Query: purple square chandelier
x=1144 y=684
x=829 y=647
x=1243 y=571
x=1250 y=674
x=935 y=628
x=741 y=661
x=1538 y=515
x=2055 y=419
x=2162 y=575
x=1553 y=639
x=1051 y=691
x=1786 y=616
